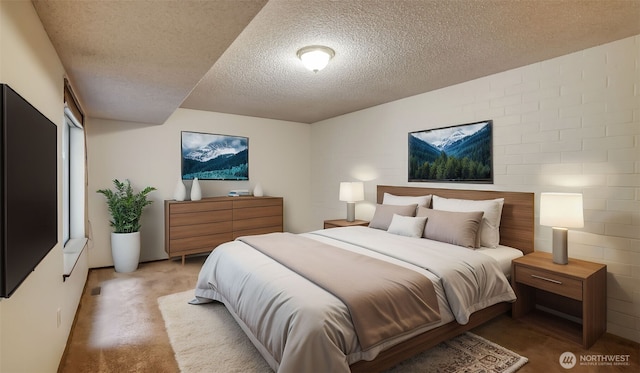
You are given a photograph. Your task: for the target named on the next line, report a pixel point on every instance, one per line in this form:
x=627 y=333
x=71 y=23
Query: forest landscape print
x=461 y=153
x=214 y=157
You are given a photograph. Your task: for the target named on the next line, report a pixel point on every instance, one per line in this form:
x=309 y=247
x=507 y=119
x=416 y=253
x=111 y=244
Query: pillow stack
x=466 y=223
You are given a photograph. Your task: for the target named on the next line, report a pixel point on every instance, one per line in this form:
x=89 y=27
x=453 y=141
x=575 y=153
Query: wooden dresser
x=193 y=227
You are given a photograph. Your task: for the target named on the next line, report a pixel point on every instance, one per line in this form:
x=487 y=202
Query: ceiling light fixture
x=315 y=57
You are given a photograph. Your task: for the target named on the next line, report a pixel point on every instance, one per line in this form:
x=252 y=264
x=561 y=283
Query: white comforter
x=299 y=327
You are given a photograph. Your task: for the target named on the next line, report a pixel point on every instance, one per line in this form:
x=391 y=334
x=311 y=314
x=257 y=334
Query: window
x=73 y=189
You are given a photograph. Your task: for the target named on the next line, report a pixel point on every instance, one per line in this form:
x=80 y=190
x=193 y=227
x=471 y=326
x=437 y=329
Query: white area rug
x=206 y=338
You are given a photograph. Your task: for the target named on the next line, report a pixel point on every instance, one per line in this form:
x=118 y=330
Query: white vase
x=257 y=190
x=181 y=191
x=125 y=250
x=196 y=192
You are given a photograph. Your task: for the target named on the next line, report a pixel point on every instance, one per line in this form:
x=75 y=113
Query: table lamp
x=561 y=211
x=351 y=192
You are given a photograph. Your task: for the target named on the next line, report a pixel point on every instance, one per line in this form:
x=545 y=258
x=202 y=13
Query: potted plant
x=126 y=208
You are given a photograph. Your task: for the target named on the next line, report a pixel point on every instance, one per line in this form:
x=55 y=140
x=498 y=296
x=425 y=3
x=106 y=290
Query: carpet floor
x=206 y=338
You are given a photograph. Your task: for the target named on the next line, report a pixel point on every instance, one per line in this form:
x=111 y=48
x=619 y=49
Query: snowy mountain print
x=214 y=157
x=458 y=153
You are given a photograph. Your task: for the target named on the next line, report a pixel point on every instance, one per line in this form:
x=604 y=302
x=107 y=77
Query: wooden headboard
x=516 y=224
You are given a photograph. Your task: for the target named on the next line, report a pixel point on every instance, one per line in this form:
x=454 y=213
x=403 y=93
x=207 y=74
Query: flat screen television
x=28 y=189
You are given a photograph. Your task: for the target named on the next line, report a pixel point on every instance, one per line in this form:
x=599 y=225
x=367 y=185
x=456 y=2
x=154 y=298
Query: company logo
x=568 y=360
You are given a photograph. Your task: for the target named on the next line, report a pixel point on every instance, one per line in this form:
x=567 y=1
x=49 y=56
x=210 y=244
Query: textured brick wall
x=569 y=124
x=573 y=124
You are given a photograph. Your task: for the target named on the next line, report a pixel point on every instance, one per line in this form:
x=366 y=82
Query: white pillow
x=490 y=228
x=391 y=199
x=407 y=225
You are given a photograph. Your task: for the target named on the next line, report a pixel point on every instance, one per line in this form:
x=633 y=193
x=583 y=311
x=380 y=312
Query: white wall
x=30 y=338
x=567 y=124
x=149 y=155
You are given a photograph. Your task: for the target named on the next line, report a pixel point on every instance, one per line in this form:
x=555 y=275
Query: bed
x=297 y=325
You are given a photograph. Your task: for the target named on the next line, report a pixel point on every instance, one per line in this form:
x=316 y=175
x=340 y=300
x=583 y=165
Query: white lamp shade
x=315 y=58
x=562 y=210
x=351 y=191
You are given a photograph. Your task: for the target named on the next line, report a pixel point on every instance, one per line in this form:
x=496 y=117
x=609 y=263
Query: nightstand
x=577 y=291
x=344 y=223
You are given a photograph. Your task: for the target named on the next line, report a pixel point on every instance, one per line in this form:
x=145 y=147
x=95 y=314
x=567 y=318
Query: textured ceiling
x=139 y=61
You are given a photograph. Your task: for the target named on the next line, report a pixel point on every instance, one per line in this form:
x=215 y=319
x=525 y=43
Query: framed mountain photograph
x=461 y=153
x=214 y=157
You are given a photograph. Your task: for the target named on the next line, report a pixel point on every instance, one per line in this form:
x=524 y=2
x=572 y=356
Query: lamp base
x=351 y=211
x=560 y=252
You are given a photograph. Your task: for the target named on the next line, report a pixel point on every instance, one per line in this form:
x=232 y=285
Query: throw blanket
x=384 y=300
x=472 y=281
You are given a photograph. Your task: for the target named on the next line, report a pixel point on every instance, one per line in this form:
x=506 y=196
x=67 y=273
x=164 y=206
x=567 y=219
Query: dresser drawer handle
x=547 y=279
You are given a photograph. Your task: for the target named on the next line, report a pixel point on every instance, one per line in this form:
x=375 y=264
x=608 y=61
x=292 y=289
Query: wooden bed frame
x=516 y=230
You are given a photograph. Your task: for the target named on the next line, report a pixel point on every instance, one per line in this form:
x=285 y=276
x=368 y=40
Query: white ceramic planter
x=125 y=250
x=180 y=193
x=196 y=192
x=257 y=190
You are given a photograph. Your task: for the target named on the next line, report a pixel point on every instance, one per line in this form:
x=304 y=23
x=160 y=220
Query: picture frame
x=213 y=156
x=460 y=153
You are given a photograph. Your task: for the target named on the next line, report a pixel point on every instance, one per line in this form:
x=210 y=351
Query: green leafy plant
x=126 y=206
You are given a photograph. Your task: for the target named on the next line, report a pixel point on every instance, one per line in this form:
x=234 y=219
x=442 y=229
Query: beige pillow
x=392 y=199
x=384 y=213
x=457 y=228
x=407 y=225
x=489 y=228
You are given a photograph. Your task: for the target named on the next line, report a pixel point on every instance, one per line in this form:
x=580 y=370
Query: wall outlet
x=59 y=317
